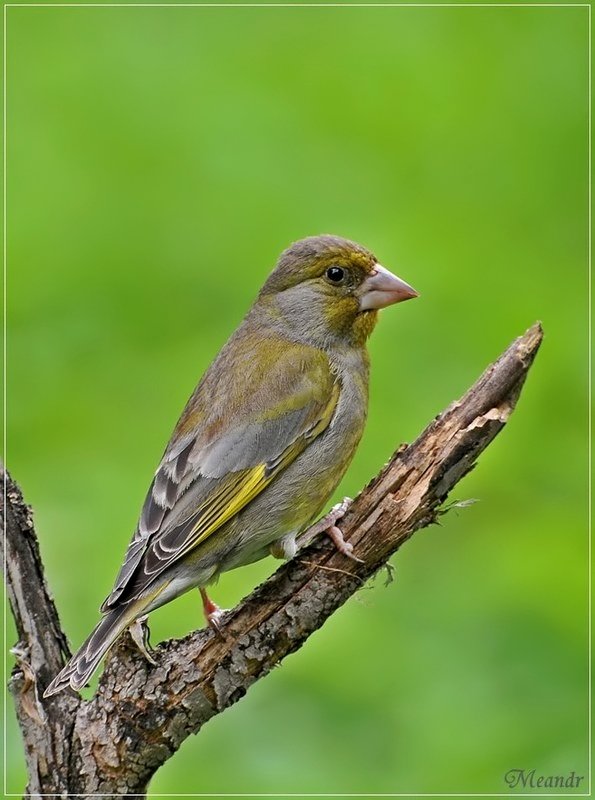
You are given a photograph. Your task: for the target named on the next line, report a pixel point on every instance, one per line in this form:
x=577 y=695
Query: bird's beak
x=381 y=288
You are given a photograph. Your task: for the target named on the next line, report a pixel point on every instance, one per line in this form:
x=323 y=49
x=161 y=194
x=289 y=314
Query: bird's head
x=332 y=287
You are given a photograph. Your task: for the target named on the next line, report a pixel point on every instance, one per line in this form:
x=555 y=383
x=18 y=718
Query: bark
x=114 y=743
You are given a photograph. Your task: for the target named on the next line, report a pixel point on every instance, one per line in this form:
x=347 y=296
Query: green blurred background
x=159 y=159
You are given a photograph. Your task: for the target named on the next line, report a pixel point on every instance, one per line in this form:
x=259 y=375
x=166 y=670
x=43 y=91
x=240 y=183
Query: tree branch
x=140 y=714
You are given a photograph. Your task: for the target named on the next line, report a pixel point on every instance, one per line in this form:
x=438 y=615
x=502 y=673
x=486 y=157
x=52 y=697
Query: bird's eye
x=335 y=274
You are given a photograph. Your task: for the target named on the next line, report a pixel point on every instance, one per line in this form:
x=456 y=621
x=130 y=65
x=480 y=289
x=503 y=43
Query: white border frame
x=4 y=332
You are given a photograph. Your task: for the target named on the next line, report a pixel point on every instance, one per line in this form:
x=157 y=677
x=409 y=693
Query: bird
x=262 y=443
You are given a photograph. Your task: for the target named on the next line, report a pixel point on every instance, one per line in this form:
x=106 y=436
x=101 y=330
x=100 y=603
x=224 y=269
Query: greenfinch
x=262 y=443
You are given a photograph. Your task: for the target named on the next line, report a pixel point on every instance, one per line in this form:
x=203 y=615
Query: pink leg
x=211 y=611
x=328 y=525
x=336 y=535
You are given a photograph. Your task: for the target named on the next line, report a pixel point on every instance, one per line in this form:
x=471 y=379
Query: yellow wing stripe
x=215 y=505
x=249 y=488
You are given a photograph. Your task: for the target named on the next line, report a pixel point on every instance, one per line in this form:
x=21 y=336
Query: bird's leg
x=333 y=516
x=328 y=525
x=211 y=611
x=336 y=536
x=139 y=630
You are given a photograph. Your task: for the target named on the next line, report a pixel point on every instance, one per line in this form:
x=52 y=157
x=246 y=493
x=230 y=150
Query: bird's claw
x=139 y=631
x=346 y=548
x=214 y=618
x=213 y=614
x=330 y=519
x=339 y=510
x=328 y=525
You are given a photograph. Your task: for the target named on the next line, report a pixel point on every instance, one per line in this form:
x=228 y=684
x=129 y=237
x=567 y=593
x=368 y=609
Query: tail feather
x=85 y=661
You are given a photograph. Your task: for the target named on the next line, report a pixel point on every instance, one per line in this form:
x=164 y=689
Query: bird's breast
x=345 y=431
x=308 y=483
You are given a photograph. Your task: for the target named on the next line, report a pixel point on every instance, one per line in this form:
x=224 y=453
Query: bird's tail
x=85 y=661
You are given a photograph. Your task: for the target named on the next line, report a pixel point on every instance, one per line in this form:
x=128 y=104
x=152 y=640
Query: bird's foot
x=213 y=614
x=139 y=630
x=330 y=519
x=328 y=525
x=336 y=536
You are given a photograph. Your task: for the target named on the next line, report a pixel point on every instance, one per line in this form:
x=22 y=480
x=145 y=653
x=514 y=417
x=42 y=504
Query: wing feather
x=209 y=474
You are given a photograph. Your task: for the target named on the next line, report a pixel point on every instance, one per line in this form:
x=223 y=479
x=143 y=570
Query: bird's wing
x=216 y=462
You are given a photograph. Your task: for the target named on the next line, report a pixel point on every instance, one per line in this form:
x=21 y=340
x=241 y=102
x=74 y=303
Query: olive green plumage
x=264 y=439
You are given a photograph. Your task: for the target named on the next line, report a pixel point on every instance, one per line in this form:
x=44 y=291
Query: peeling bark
x=114 y=743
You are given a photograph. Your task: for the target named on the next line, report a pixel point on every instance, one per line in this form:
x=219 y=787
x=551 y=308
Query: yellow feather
x=248 y=488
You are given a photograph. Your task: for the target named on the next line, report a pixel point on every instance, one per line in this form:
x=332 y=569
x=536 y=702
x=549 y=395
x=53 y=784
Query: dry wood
x=113 y=743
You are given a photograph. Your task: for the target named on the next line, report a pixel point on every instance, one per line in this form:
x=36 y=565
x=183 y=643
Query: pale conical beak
x=381 y=288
